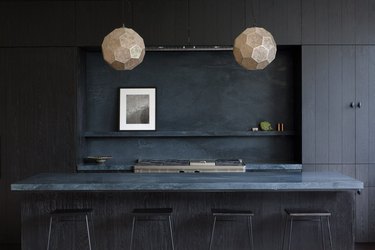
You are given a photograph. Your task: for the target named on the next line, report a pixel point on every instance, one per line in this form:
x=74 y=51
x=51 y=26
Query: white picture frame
x=137 y=109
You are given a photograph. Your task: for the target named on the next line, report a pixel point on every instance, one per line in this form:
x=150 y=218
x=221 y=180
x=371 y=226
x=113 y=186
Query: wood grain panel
x=95 y=19
x=371 y=104
x=321 y=105
x=371 y=175
x=362 y=97
x=348 y=25
x=192 y=219
x=348 y=118
x=308 y=104
x=37 y=23
x=40 y=122
x=216 y=22
x=166 y=26
x=362 y=22
x=335 y=110
x=362 y=211
x=334 y=22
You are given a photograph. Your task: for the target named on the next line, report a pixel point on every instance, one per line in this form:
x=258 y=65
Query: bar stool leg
x=329 y=233
x=250 y=229
x=290 y=233
x=49 y=232
x=132 y=234
x=212 y=233
x=171 y=232
x=88 y=231
x=322 y=231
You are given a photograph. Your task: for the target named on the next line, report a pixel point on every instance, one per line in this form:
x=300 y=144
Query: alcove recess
x=205 y=104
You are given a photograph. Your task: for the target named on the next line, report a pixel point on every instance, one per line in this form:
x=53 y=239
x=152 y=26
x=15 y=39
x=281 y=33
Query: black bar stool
x=59 y=214
x=307 y=215
x=152 y=212
x=222 y=213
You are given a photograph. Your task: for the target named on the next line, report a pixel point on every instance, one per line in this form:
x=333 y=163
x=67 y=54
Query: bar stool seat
x=307 y=215
x=152 y=212
x=222 y=213
x=59 y=214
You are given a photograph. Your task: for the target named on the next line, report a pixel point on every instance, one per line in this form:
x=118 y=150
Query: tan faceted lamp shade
x=254 y=48
x=123 y=49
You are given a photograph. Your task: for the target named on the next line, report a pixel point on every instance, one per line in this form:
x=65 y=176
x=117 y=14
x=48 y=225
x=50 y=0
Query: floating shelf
x=186 y=134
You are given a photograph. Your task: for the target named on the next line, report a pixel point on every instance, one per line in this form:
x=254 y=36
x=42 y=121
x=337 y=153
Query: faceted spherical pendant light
x=254 y=48
x=123 y=49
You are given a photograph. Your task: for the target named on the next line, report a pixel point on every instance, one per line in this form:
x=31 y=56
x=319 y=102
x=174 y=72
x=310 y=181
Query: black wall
x=38 y=73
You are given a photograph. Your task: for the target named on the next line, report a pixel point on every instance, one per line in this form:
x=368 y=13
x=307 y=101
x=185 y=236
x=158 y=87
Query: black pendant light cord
x=253 y=12
x=123 y=13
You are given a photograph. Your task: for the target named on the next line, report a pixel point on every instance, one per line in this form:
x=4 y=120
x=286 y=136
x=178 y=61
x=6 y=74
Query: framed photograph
x=137 y=108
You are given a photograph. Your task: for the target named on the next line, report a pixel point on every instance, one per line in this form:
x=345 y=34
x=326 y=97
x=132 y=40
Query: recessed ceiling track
x=190 y=48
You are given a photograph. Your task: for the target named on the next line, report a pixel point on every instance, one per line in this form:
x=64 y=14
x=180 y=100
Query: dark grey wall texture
x=204 y=92
x=40 y=67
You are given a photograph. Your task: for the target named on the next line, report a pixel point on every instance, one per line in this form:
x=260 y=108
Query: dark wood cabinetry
x=95 y=19
x=40 y=121
x=338 y=125
x=37 y=23
x=337 y=122
x=161 y=22
x=338 y=22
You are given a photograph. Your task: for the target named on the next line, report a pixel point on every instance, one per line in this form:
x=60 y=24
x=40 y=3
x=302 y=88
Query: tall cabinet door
x=365 y=104
x=40 y=111
x=328 y=104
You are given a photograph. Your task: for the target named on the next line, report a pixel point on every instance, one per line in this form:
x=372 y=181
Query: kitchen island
x=114 y=195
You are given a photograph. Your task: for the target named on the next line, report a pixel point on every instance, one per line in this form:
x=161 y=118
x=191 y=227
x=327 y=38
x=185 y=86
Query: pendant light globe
x=255 y=48
x=123 y=49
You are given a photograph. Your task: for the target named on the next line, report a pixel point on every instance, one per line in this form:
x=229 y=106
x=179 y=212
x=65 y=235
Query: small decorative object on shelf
x=265 y=126
x=280 y=127
x=98 y=159
x=254 y=129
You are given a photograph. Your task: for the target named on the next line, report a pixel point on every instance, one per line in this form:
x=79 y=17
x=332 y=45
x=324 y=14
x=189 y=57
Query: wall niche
x=205 y=104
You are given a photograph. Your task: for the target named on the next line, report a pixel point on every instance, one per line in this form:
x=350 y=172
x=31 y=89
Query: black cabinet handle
x=359 y=104
x=352 y=105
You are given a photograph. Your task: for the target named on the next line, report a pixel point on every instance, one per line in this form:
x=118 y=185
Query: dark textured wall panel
x=197 y=91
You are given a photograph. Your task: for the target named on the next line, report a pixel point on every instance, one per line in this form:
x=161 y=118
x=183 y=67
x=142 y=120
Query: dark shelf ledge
x=186 y=134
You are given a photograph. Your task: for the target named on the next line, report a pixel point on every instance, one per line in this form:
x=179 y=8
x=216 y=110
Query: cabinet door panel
x=37 y=23
x=348 y=117
x=308 y=104
x=216 y=22
x=328 y=88
x=371 y=105
x=334 y=22
x=161 y=22
x=361 y=216
x=322 y=105
x=362 y=99
x=40 y=122
x=95 y=19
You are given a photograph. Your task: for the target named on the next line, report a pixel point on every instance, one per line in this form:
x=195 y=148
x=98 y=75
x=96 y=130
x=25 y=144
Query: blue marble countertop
x=184 y=182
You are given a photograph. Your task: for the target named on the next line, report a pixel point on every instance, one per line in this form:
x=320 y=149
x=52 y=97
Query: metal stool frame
x=295 y=215
x=58 y=213
x=147 y=212
x=222 y=213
